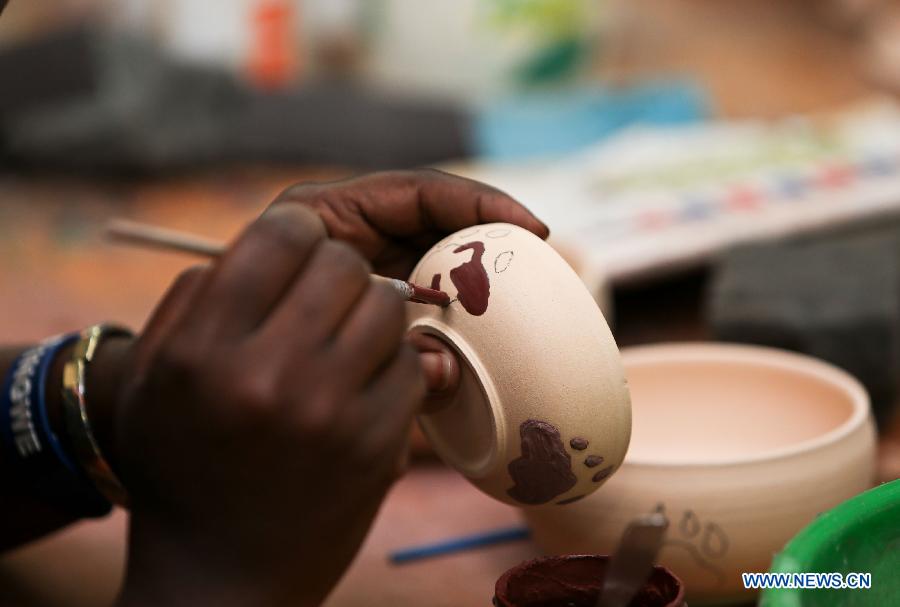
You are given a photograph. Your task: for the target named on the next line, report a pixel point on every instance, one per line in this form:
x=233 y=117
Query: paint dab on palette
x=744 y=198
x=654 y=220
x=544 y=469
x=836 y=176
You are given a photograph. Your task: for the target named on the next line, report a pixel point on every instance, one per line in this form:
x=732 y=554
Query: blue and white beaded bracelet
x=38 y=457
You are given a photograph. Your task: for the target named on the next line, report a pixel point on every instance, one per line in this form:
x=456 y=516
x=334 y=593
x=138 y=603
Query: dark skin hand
x=393 y=218
x=281 y=443
x=263 y=413
x=294 y=435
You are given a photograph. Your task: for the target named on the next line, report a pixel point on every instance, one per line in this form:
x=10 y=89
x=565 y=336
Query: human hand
x=262 y=419
x=393 y=218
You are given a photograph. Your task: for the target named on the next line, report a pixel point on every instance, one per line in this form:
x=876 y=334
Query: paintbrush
x=145 y=235
x=630 y=567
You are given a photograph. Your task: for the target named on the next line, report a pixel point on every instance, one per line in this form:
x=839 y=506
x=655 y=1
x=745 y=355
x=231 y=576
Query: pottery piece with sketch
x=543 y=414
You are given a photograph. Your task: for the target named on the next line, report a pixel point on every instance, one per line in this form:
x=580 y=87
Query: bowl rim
x=695 y=351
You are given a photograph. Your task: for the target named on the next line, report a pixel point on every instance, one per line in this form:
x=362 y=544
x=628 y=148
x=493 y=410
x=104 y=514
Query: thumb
x=440 y=369
x=439 y=365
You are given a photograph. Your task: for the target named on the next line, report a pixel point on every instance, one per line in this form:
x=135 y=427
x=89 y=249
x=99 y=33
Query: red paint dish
x=575 y=581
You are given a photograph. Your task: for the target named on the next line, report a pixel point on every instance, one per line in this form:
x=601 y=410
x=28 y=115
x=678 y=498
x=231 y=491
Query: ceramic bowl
x=740 y=446
x=542 y=416
x=861 y=535
x=575 y=580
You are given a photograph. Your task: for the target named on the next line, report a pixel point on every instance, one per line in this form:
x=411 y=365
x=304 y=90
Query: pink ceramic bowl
x=740 y=446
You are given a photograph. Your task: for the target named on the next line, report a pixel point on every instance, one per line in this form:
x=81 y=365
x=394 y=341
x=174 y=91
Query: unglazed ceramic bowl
x=542 y=416
x=740 y=446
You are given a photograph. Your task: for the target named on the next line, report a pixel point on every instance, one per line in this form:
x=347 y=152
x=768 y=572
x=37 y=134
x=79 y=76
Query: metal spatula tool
x=632 y=564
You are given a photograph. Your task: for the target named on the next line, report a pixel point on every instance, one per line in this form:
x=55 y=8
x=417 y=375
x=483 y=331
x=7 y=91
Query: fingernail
x=437 y=366
x=447 y=367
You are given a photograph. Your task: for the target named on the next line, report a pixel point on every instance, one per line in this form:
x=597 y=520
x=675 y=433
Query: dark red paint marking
x=436 y=282
x=602 y=474
x=471 y=280
x=545 y=468
x=570 y=500
x=592 y=461
x=579 y=444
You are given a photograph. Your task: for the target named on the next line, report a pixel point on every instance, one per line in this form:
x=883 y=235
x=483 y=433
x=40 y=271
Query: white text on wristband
x=25 y=436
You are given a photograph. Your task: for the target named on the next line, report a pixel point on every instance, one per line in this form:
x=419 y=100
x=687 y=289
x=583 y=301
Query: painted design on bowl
x=511 y=296
x=579 y=444
x=705 y=543
x=544 y=470
x=603 y=474
x=473 y=288
x=502 y=261
x=592 y=461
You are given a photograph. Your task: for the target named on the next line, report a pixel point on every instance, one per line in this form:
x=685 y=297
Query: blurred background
x=678 y=145
x=654 y=137
x=714 y=170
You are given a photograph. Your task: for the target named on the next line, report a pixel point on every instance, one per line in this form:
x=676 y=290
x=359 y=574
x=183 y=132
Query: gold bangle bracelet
x=78 y=428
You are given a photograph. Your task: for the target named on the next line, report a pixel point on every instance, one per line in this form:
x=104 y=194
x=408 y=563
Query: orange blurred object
x=273 y=58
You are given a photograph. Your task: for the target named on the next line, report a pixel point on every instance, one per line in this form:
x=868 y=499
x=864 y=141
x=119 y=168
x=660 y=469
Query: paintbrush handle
x=146 y=235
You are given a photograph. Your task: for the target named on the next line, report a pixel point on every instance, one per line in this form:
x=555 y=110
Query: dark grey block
x=834 y=296
x=341 y=122
x=53 y=68
x=91 y=100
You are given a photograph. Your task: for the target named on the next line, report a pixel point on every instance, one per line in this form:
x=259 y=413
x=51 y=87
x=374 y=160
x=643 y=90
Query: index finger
x=406 y=204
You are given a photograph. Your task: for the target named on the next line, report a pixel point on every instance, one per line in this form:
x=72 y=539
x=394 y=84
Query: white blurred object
x=220 y=33
x=473 y=49
x=212 y=32
x=651 y=200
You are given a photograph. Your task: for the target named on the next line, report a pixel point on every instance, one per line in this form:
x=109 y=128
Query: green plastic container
x=862 y=535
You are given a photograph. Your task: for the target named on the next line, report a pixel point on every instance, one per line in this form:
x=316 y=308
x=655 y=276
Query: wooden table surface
x=81 y=566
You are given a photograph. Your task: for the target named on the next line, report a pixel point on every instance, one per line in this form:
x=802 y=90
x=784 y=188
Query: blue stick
x=459 y=544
